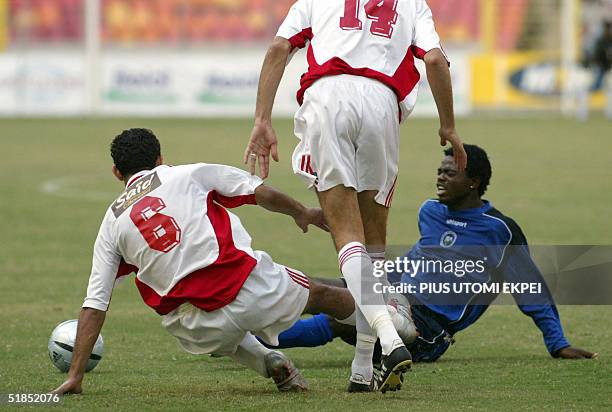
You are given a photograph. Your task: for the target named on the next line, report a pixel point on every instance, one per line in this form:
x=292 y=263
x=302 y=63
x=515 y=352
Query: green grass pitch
x=552 y=175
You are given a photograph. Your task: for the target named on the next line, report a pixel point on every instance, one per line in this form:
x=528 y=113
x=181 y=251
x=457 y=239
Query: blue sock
x=306 y=333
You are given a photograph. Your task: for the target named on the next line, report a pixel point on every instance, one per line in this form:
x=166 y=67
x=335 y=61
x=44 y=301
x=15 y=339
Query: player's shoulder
x=213 y=169
x=170 y=172
x=431 y=206
x=176 y=168
x=506 y=223
x=431 y=209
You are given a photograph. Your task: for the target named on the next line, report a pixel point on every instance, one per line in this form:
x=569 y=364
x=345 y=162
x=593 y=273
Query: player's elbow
x=265 y=196
x=280 y=46
x=435 y=58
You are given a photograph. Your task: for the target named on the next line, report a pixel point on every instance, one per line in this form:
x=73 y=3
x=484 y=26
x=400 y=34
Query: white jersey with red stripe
x=378 y=39
x=170 y=225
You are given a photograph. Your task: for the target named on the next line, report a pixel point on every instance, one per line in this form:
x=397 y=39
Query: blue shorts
x=433 y=339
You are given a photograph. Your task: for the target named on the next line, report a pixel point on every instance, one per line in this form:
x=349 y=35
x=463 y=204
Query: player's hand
x=311 y=216
x=451 y=136
x=576 y=353
x=70 y=386
x=262 y=143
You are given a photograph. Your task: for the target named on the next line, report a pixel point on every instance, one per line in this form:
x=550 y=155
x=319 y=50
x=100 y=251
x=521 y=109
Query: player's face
x=452 y=186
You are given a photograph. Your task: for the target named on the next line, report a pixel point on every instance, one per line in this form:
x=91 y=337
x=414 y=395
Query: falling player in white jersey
x=195 y=265
x=360 y=84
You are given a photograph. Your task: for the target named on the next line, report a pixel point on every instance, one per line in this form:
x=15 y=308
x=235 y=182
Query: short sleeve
x=297 y=25
x=105 y=267
x=425 y=36
x=232 y=187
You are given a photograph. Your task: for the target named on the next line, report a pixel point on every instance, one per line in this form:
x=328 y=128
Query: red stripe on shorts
x=390 y=194
x=298 y=278
x=308 y=166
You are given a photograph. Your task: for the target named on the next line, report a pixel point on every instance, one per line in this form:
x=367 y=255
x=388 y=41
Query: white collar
x=137 y=176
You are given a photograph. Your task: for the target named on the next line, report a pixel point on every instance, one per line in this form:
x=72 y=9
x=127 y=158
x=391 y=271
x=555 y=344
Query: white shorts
x=348 y=127
x=270 y=302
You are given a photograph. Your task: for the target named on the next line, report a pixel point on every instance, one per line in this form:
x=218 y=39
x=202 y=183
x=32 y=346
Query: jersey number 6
x=160 y=231
x=382 y=13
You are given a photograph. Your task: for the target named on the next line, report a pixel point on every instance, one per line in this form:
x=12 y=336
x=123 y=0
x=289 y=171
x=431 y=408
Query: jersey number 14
x=382 y=13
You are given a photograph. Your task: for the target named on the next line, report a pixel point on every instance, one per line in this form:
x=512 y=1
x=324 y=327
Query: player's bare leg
x=374 y=217
x=336 y=282
x=337 y=302
x=341 y=207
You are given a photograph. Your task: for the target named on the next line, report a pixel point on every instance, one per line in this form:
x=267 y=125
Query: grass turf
x=551 y=175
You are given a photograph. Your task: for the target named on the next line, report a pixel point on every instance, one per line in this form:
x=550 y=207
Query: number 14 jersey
x=170 y=226
x=378 y=39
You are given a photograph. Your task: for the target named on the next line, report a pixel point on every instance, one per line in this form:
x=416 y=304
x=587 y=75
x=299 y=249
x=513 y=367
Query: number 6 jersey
x=372 y=38
x=170 y=226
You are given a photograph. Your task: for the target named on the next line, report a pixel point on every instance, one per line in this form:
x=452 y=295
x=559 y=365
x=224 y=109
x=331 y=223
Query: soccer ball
x=61 y=344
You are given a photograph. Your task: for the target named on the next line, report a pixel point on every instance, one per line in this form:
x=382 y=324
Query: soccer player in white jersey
x=195 y=265
x=360 y=85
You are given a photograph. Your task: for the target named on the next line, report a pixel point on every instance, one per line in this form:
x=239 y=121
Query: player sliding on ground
x=195 y=265
x=361 y=83
x=462 y=222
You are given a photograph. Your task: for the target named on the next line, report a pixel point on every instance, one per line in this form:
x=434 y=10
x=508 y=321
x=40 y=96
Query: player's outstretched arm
x=263 y=137
x=90 y=325
x=275 y=201
x=519 y=267
x=439 y=79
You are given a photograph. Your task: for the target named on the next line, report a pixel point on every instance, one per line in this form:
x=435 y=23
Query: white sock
x=375 y=256
x=361 y=368
x=250 y=353
x=356 y=266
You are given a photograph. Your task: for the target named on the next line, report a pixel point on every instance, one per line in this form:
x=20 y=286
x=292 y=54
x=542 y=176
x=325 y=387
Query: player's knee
x=314 y=297
x=347 y=333
x=327 y=299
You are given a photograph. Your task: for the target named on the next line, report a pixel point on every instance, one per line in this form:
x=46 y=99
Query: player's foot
x=284 y=373
x=393 y=366
x=357 y=384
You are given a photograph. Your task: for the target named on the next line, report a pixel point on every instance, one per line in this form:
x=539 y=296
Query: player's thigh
x=271 y=300
x=326 y=125
x=199 y=332
x=377 y=147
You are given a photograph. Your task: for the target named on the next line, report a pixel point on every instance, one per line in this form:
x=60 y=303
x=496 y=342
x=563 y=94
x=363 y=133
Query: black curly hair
x=135 y=150
x=478 y=165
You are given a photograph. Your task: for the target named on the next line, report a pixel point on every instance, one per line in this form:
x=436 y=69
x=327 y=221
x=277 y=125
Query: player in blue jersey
x=458 y=226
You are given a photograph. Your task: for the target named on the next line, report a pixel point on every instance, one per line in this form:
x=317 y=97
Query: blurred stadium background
x=119 y=60
x=202 y=57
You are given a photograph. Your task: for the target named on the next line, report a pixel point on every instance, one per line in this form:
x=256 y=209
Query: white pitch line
x=76 y=188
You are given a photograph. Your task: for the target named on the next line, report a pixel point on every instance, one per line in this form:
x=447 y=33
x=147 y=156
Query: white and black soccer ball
x=61 y=344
